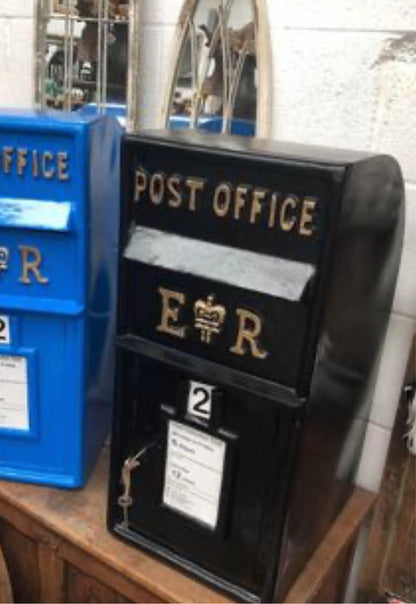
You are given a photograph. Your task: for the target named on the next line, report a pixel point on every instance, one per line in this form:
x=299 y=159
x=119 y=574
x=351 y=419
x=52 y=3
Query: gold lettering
x=7 y=159
x=287 y=222
x=173 y=187
x=21 y=161
x=31 y=261
x=170 y=313
x=63 y=166
x=306 y=220
x=256 y=206
x=140 y=183
x=35 y=164
x=47 y=157
x=273 y=207
x=239 y=200
x=157 y=187
x=249 y=329
x=222 y=200
x=195 y=185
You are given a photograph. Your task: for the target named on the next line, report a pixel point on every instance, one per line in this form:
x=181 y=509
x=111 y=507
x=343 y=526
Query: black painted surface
x=313 y=181
x=293 y=423
x=285 y=323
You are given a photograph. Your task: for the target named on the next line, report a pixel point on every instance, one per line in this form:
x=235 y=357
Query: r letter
x=249 y=329
x=31 y=261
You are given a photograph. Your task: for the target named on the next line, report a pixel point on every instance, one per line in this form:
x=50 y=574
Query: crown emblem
x=209 y=318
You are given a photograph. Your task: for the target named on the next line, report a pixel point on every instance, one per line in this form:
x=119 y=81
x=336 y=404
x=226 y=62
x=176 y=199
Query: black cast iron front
x=256 y=281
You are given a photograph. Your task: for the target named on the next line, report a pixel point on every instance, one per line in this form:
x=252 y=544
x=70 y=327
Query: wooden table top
x=80 y=518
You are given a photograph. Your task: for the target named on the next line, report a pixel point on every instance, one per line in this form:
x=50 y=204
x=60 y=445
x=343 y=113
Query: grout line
x=18 y=17
x=410 y=318
x=388 y=429
x=352 y=30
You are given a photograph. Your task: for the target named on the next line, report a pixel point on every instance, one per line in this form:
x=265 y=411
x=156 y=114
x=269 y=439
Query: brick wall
x=345 y=75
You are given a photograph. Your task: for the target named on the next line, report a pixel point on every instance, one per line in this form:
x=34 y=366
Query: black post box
x=256 y=280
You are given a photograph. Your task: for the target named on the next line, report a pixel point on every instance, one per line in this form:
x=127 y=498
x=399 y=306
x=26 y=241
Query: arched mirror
x=222 y=76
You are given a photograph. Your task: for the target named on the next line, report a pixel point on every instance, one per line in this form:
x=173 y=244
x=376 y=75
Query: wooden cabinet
x=57 y=549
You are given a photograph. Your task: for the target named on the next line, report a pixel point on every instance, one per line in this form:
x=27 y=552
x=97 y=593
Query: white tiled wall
x=345 y=75
x=325 y=90
x=367 y=15
x=17 y=53
x=16 y=9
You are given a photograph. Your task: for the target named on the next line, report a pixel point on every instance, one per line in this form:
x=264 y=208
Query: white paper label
x=14 y=406
x=193 y=473
x=200 y=400
x=4 y=329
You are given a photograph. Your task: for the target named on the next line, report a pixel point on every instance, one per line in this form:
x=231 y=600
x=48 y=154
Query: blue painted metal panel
x=207 y=123
x=214 y=124
x=118 y=110
x=59 y=209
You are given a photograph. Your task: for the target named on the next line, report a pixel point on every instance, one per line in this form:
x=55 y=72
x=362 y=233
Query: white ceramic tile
x=17 y=8
x=396 y=125
x=325 y=90
x=373 y=457
x=365 y=14
x=410 y=230
x=405 y=295
x=17 y=62
x=391 y=370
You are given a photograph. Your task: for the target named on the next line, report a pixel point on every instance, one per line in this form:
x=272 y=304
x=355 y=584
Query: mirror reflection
x=85 y=53
x=215 y=88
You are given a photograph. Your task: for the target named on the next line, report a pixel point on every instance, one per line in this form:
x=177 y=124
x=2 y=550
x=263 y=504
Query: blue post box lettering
x=59 y=207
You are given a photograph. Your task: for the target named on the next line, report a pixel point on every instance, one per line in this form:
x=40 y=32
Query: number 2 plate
x=200 y=400
x=4 y=329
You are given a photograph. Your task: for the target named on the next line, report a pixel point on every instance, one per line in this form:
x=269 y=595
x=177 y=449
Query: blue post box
x=59 y=208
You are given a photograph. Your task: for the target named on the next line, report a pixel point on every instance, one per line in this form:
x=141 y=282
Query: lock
x=129 y=465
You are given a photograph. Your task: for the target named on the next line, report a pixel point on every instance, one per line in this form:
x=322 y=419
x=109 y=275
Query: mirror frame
x=264 y=65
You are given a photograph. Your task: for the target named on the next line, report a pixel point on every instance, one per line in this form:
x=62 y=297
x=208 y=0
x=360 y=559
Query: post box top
x=266 y=196
x=247 y=145
x=59 y=121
